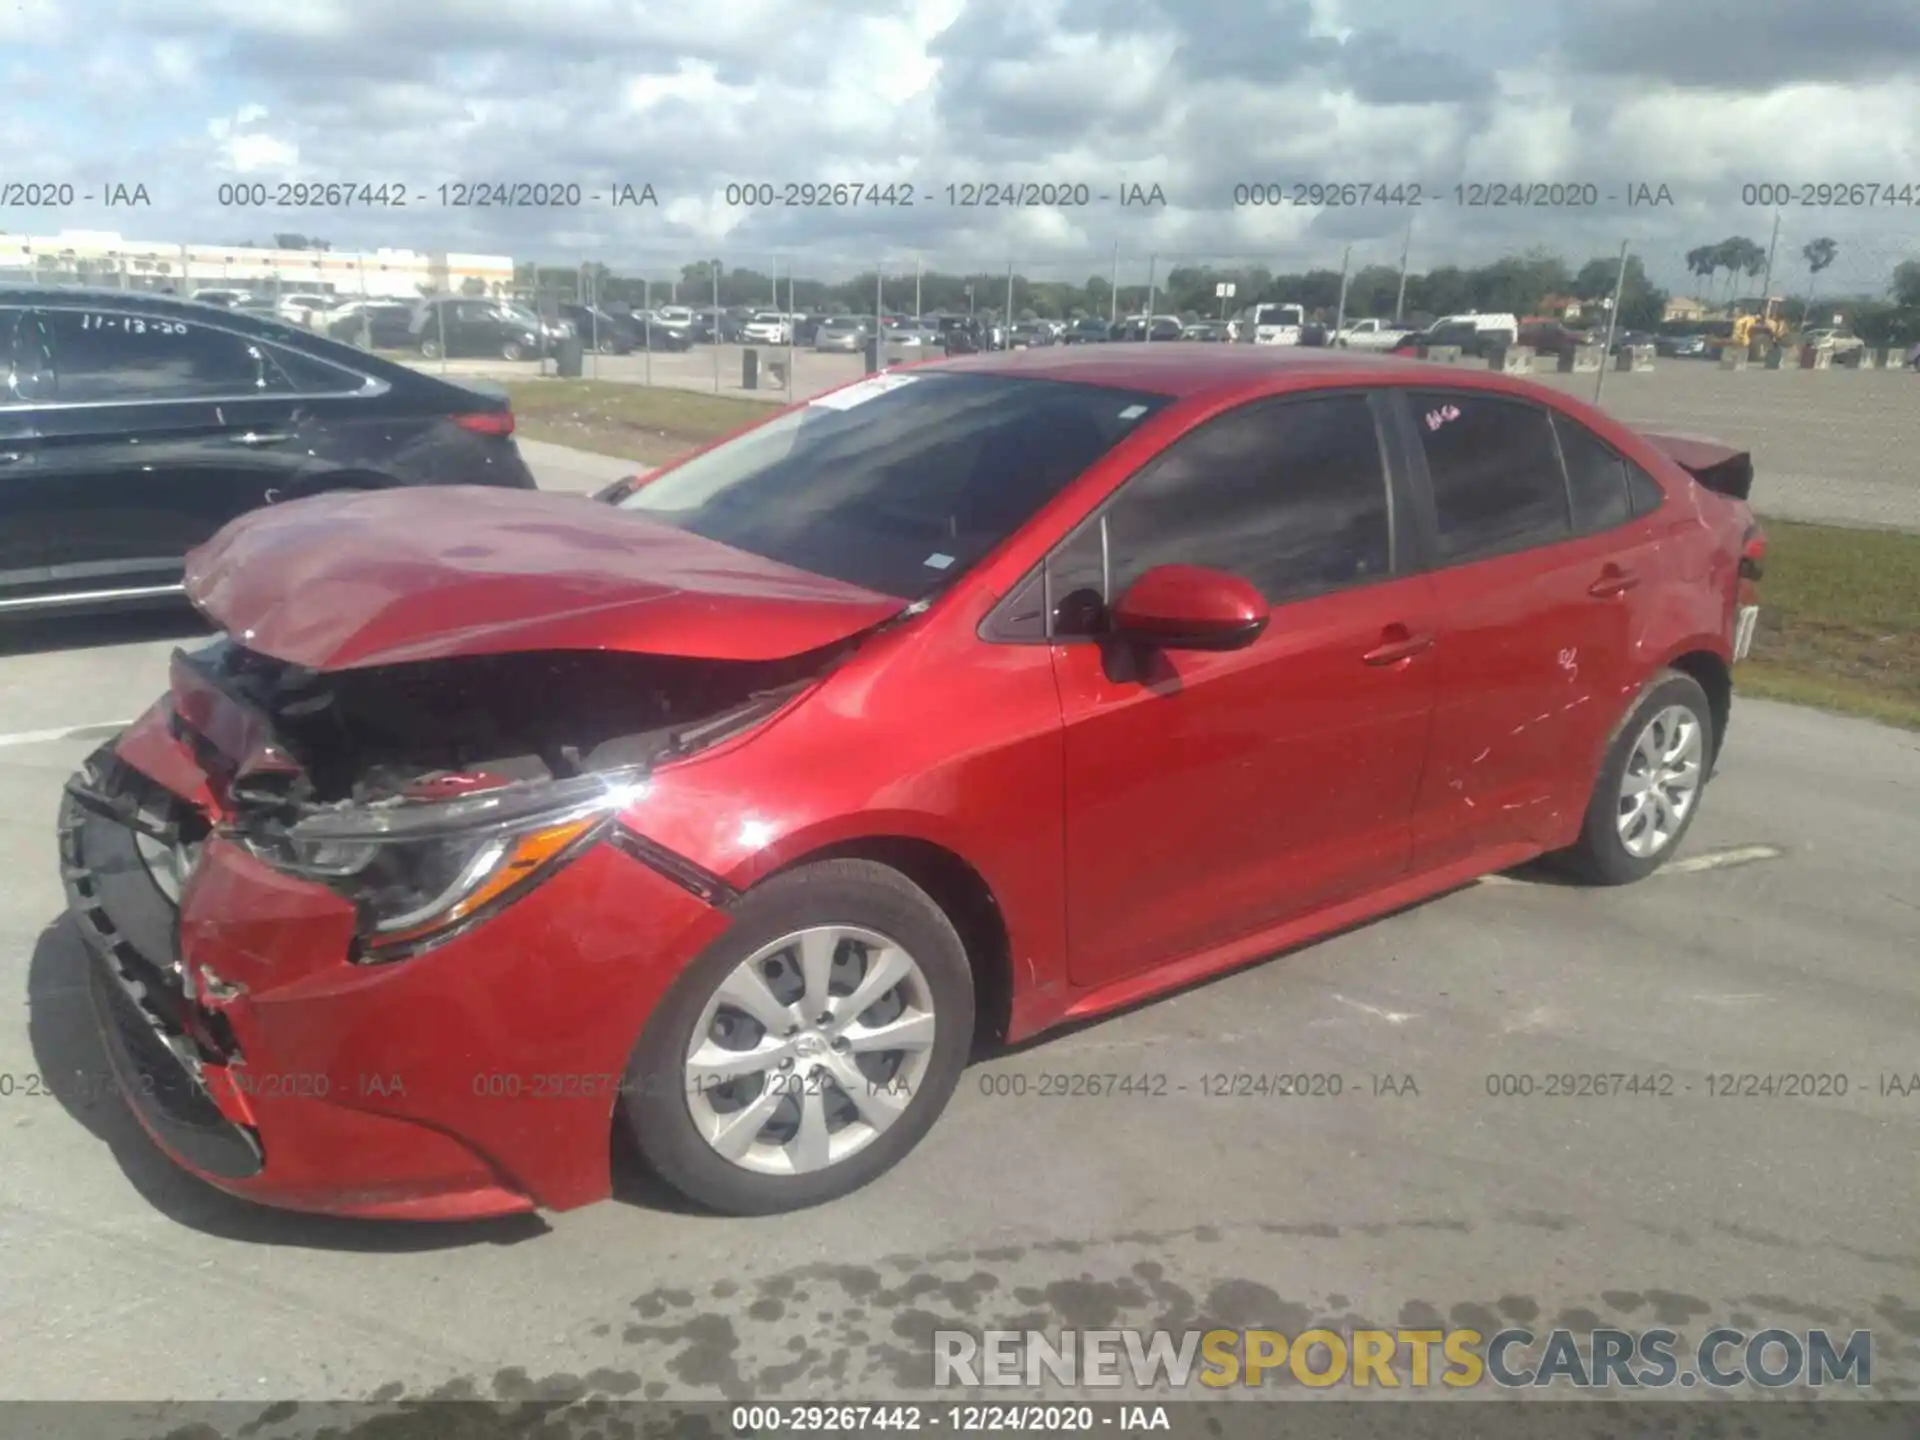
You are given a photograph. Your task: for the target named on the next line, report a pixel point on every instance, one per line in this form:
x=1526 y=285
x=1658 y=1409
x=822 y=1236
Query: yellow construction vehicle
x=1754 y=322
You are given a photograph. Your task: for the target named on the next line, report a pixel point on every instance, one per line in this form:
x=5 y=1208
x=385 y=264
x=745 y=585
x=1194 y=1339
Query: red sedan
x=737 y=807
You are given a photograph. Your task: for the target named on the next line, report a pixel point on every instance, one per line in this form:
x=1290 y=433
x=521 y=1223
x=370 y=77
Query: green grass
x=1839 y=622
x=651 y=424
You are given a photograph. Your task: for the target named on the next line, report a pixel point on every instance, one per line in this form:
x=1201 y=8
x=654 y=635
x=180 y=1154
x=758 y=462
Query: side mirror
x=1189 y=607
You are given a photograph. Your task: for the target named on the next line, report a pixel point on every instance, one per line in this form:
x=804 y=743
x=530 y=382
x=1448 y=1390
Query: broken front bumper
x=479 y=1078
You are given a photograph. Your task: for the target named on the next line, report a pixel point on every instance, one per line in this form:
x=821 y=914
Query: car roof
x=140 y=302
x=1179 y=370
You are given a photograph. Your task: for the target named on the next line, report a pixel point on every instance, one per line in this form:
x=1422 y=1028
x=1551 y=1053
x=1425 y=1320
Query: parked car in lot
x=1839 y=341
x=1087 y=331
x=942 y=709
x=225 y=299
x=600 y=329
x=1276 y=324
x=133 y=427
x=1473 y=340
x=1139 y=328
x=1207 y=332
x=1555 y=338
x=1029 y=333
x=457 y=328
x=1689 y=345
x=1371 y=335
x=373 y=324
x=844 y=334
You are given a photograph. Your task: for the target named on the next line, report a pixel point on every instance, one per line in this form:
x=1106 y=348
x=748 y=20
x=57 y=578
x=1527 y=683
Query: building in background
x=102 y=257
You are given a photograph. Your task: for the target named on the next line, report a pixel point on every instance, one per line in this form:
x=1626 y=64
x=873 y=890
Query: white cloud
x=691 y=97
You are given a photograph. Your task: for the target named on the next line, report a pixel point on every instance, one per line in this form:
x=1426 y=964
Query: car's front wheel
x=1649 y=786
x=429 y=349
x=808 y=1049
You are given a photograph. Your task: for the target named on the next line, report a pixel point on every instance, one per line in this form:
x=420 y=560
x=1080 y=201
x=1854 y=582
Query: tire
x=510 y=350
x=661 y=1104
x=1602 y=855
x=608 y=347
x=429 y=349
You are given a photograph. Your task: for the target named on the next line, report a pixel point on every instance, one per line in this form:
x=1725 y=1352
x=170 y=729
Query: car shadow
x=71 y=1060
x=87 y=631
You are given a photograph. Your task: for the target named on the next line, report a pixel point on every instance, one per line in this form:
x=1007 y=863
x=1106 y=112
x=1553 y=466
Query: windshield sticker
x=1437 y=418
x=861 y=392
x=1133 y=412
x=937 y=562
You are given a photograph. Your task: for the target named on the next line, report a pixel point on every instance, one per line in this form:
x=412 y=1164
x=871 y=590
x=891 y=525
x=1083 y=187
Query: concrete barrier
x=1855 y=359
x=1445 y=354
x=1882 y=357
x=1732 y=358
x=1776 y=358
x=1816 y=357
x=1511 y=359
x=1582 y=360
x=1634 y=357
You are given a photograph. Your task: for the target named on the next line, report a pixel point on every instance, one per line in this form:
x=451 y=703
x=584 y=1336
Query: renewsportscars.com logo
x=1516 y=1358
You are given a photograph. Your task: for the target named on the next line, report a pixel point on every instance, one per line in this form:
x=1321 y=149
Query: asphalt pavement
x=1782 y=942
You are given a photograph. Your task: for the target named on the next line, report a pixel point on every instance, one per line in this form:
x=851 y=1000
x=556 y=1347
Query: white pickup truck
x=1371 y=335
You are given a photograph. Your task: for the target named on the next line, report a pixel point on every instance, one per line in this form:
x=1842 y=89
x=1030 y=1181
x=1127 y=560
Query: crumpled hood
x=390 y=576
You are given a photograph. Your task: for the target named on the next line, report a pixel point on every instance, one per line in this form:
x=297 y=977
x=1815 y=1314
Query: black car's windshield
x=901 y=482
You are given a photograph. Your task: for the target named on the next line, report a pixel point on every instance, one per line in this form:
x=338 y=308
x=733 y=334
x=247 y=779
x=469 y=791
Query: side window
x=1645 y=491
x=1596 y=478
x=1077 y=581
x=1289 y=494
x=302 y=375
x=105 y=355
x=28 y=352
x=1497 y=482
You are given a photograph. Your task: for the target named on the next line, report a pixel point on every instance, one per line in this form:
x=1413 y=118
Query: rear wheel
x=511 y=350
x=429 y=349
x=1649 y=786
x=810 y=1047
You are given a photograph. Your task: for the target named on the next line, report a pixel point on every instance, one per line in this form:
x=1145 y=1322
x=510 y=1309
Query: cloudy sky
x=1195 y=96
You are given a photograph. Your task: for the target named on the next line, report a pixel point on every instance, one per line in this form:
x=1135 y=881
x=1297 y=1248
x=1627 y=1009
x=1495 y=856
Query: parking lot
x=1831 y=446
x=1780 y=943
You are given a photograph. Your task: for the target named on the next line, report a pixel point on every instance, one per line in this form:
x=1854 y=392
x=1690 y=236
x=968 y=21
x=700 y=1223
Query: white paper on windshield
x=1133 y=412
x=938 y=562
x=862 y=391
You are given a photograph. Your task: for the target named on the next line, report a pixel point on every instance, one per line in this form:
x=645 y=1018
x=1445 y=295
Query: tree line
x=1523 y=284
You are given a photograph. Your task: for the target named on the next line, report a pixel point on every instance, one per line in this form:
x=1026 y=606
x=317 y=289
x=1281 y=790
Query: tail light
x=1753 y=553
x=487 y=422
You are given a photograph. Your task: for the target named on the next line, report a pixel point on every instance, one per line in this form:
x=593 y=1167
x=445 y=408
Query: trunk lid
x=394 y=576
x=1714 y=464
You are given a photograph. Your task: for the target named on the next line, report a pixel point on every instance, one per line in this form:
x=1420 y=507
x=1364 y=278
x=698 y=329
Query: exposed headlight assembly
x=419 y=870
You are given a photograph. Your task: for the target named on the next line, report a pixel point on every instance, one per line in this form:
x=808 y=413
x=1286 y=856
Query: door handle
x=262 y=437
x=1399 y=645
x=1613 y=581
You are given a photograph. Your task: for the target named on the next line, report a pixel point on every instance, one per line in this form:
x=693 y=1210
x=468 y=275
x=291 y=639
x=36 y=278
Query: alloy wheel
x=1661 y=781
x=810 y=1049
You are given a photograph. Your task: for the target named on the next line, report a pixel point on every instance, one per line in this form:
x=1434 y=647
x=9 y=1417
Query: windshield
x=1279 y=315
x=900 y=483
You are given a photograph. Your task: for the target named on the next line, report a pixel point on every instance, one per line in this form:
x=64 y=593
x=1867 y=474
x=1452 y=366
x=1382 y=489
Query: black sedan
x=133 y=427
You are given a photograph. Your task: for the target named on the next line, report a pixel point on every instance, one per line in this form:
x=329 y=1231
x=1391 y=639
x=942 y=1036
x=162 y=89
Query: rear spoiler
x=1712 y=463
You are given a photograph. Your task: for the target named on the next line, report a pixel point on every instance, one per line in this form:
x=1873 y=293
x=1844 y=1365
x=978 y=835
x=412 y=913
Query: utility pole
x=1008 y=326
x=1406 y=248
x=917 y=312
x=1340 y=311
x=1153 y=267
x=1113 y=288
x=716 y=327
x=1613 y=322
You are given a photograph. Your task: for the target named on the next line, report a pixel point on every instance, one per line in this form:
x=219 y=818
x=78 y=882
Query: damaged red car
x=733 y=809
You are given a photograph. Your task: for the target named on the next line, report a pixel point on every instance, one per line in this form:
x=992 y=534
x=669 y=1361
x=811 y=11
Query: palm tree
x=1702 y=263
x=1818 y=254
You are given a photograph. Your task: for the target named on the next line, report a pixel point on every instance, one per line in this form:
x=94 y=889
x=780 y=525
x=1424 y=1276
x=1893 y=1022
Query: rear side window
x=105 y=355
x=1644 y=490
x=1497 y=482
x=302 y=375
x=1596 y=478
x=1291 y=495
